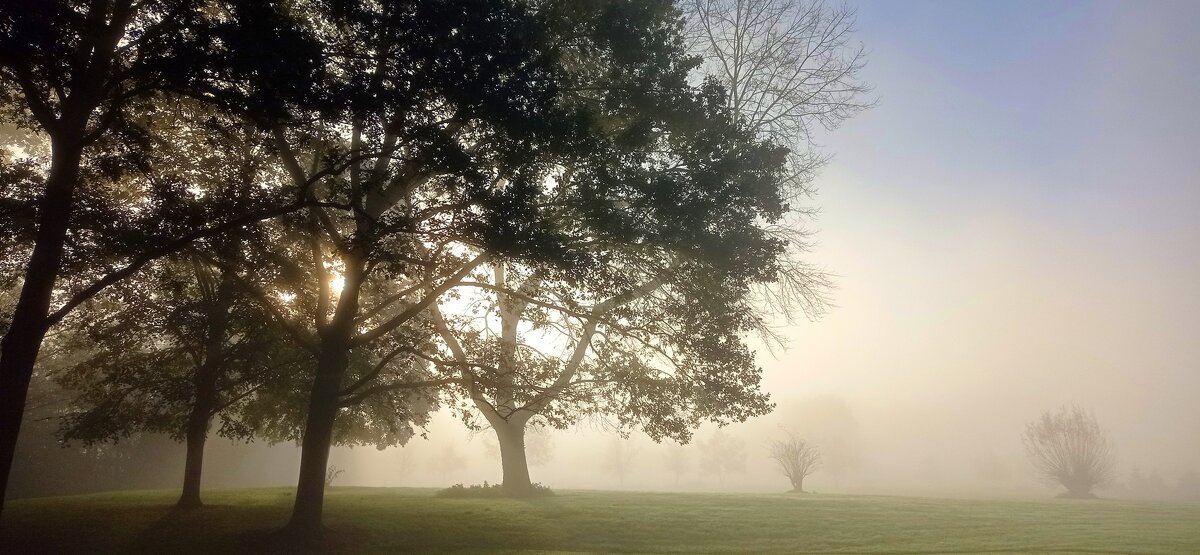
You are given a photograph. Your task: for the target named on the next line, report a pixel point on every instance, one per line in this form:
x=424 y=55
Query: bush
x=491 y=490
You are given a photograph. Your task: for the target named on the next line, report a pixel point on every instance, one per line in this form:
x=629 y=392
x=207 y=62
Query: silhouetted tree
x=796 y=459
x=784 y=67
x=168 y=351
x=1069 y=448
x=446 y=119
x=87 y=77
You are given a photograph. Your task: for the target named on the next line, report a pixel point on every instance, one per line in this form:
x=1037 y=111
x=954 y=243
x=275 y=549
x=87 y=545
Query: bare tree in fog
x=722 y=454
x=796 y=459
x=1069 y=448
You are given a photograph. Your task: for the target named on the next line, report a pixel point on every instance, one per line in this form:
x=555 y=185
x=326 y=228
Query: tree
x=789 y=66
x=445 y=119
x=796 y=459
x=619 y=457
x=827 y=421
x=676 y=461
x=722 y=454
x=80 y=75
x=783 y=66
x=1069 y=448
x=169 y=351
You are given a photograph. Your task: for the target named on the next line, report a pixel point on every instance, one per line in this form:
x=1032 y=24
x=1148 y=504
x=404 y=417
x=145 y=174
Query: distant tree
x=991 y=468
x=827 y=421
x=677 y=461
x=1069 y=448
x=447 y=461
x=722 y=454
x=1147 y=486
x=619 y=457
x=796 y=459
x=1188 y=487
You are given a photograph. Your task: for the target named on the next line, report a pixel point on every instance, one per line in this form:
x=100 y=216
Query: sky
x=1012 y=229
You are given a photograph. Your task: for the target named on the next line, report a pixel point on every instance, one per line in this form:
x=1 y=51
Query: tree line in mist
x=321 y=220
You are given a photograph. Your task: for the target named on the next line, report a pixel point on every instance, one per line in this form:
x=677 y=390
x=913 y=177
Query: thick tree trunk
x=318 y=436
x=798 y=484
x=511 y=436
x=20 y=346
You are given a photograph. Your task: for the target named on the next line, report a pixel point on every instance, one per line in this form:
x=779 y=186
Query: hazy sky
x=1014 y=227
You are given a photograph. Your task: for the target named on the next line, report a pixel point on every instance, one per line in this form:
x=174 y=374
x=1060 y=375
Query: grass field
x=378 y=520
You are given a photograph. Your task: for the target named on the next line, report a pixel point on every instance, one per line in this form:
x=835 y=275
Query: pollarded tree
x=168 y=351
x=1069 y=448
x=796 y=459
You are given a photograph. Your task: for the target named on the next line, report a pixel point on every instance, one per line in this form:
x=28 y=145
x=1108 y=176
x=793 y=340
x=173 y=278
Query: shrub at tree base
x=493 y=490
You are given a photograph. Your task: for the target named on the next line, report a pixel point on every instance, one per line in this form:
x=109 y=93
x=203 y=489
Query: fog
x=1012 y=229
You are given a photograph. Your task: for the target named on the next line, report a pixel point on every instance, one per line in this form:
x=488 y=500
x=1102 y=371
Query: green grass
x=378 y=520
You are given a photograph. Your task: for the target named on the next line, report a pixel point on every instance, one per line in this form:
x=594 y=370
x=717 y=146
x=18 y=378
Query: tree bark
x=193 y=466
x=21 y=344
x=314 y=454
x=511 y=436
x=204 y=381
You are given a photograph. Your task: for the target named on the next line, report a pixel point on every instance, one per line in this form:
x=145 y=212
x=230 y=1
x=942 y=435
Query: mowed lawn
x=385 y=520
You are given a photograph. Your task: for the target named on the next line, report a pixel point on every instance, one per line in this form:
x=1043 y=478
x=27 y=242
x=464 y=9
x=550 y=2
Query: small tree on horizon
x=796 y=459
x=1069 y=448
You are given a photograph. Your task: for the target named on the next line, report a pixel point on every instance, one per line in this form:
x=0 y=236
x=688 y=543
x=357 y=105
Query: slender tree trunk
x=20 y=346
x=511 y=436
x=196 y=437
x=197 y=431
x=318 y=436
x=204 y=381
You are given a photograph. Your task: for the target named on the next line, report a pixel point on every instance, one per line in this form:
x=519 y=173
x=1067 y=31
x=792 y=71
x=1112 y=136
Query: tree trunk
x=193 y=466
x=204 y=381
x=511 y=435
x=20 y=346
x=798 y=484
x=318 y=436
